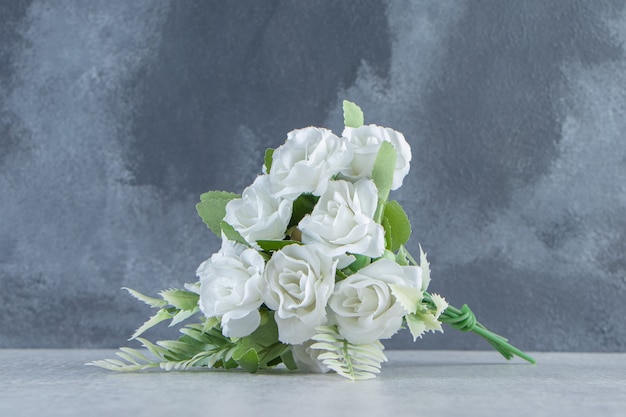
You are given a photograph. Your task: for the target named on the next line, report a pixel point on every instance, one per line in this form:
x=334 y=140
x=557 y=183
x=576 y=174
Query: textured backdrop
x=115 y=116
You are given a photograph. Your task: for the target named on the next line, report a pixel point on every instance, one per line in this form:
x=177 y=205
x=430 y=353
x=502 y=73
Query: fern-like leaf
x=351 y=361
x=197 y=347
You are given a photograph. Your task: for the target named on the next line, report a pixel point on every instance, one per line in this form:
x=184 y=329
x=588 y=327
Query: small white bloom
x=306 y=162
x=257 y=215
x=363 y=306
x=307 y=359
x=299 y=280
x=231 y=286
x=342 y=220
x=366 y=141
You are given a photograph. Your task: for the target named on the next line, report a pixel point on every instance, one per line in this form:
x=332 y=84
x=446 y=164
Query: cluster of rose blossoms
x=300 y=282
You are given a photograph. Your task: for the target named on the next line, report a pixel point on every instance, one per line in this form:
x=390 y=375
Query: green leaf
x=249 y=360
x=274 y=245
x=401 y=257
x=212 y=208
x=152 y=302
x=271 y=356
x=183 y=315
x=288 y=360
x=302 y=206
x=388 y=233
x=210 y=323
x=396 y=224
x=405 y=256
x=160 y=316
x=181 y=299
x=265 y=335
x=382 y=175
x=269 y=153
x=232 y=234
x=360 y=262
x=352 y=114
x=384 y=167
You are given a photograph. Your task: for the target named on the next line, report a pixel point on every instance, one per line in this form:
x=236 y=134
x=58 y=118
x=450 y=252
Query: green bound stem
x=463 y=319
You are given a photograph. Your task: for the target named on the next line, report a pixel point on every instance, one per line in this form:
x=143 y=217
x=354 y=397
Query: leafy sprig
x=203 y=345
x=177 y=305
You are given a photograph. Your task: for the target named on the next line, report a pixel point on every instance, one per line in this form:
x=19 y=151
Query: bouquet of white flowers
x=312 y=272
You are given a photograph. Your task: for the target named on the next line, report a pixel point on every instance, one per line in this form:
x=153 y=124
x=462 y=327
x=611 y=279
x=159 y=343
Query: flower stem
x=463 y=319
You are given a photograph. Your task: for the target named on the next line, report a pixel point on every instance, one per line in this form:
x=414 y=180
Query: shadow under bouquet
x=313 y=270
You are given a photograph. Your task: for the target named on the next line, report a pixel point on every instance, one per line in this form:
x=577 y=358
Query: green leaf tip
x=269 y=154
x=352 y=114
x=152 y=302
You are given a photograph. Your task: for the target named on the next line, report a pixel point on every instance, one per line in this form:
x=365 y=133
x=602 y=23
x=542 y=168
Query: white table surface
x=413 y=383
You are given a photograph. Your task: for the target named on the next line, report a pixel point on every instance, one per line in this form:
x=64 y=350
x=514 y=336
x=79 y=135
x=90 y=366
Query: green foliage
x=388 y=236
x=274 y=245
x=160 y=316
x=360 y=262
x=247 y=360
x=152 y=302
x=302 y=206
x=382 y=175
x=269 y=153
x=212 y=208
x=182 y=305
x=404 y=258
x=351 y=361
x=352 y=114
x=195 y=348
x=396 y=224
x=181 y=299
x=287 y=359
x=232 y=234
x=203 y=345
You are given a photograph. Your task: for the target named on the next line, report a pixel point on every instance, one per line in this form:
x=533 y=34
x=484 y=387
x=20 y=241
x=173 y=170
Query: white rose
x=342 y=220
x=299 y=280
x=306 y=162
x=363 y=306
x=231 y=286
x=307 y=359
x=257 y=215
x=366 y=141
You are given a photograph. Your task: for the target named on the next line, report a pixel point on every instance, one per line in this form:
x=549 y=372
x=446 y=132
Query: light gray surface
x=115 y=115
x=413 y=383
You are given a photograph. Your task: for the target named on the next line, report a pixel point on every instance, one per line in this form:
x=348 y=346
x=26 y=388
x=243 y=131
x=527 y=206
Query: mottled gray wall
x=115 y=116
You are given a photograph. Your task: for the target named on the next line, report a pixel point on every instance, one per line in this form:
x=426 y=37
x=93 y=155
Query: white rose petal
x=363 y=306
x=342 y=220
x=366 y=141
x=231 y=286
x=307 y=359
x=257 y=215
x=299 y=280
x=306 y=162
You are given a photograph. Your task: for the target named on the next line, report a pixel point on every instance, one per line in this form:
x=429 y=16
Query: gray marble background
x=116 y=115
